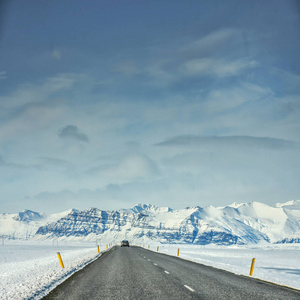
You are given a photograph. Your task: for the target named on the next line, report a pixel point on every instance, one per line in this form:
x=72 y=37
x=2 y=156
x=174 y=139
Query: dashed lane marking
x=189 y=288
x=167 y=272
x=155 y=264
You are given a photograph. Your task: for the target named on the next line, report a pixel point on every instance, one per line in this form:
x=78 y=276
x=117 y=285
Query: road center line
x=167 y=272
x=189 y=288
x=149 y=260
x=155 y=264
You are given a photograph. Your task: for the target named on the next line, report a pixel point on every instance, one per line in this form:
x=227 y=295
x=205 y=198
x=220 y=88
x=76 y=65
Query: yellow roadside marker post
x=178 y=252
x=157 y=248
x=252 y=267
x=148 y=246
x=60 y=260
x=98 y=248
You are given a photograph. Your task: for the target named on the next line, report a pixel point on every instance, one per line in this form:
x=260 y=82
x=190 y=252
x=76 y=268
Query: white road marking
x=149 y=260
x=155 y=264
x=167 y=272
x=189 y=288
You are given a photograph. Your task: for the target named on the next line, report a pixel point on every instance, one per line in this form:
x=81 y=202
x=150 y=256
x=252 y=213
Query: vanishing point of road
x=136 y=273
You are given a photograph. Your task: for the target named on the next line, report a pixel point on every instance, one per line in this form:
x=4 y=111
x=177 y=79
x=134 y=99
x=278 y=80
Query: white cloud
x=56 y=164
x=18 y=166
x=196 y=59
x=217 y=67
x=213 y=39
x=56 y=54
x=127 y=68
x=207 y=66
x=131 y=167
x=160 y=77
x=227 y=99
x=3 y=75
x=39 y=91
x=113 y=121
x=288 y=80
x=32 y=119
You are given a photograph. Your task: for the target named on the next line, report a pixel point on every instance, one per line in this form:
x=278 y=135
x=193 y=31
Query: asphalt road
x=137 y=273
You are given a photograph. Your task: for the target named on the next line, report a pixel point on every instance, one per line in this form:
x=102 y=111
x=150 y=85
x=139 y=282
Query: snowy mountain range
x=234 y=224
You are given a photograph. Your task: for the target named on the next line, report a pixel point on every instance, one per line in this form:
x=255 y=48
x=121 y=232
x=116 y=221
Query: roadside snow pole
x=98 y=248
x=148 y=246
x=60 y=260
x=252 y=266
x=157 y=248
x=178 y=252
x=106 y=246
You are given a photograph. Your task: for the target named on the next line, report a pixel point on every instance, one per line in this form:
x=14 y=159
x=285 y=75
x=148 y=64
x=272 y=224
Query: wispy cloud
x=55 y=163
x=56 y=54
x=127 y=68
x=219 y=142
x=219 y=100
x=30 y=118
x=217 y=67
x=39 y=91
x=130 y=167
x=213 y=39
x=72 y=132
x=211 y=86
x=3 y=75
x=290 y=81
x=111 y=196
x=195 y=59
x=13 y=165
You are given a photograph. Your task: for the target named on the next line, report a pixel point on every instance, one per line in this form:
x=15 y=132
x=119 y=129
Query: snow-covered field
x=29 y=270
x=275 y=263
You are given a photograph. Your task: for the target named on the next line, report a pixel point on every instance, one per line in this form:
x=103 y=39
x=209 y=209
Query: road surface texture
x=136 y=273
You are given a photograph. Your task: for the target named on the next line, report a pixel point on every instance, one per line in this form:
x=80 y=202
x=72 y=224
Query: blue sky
x=174 y=103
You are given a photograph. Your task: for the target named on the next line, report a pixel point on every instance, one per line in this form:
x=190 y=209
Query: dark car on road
x=125 y=243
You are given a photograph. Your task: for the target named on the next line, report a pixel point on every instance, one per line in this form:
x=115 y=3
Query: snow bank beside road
x=275 y=263
x=29 y=270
